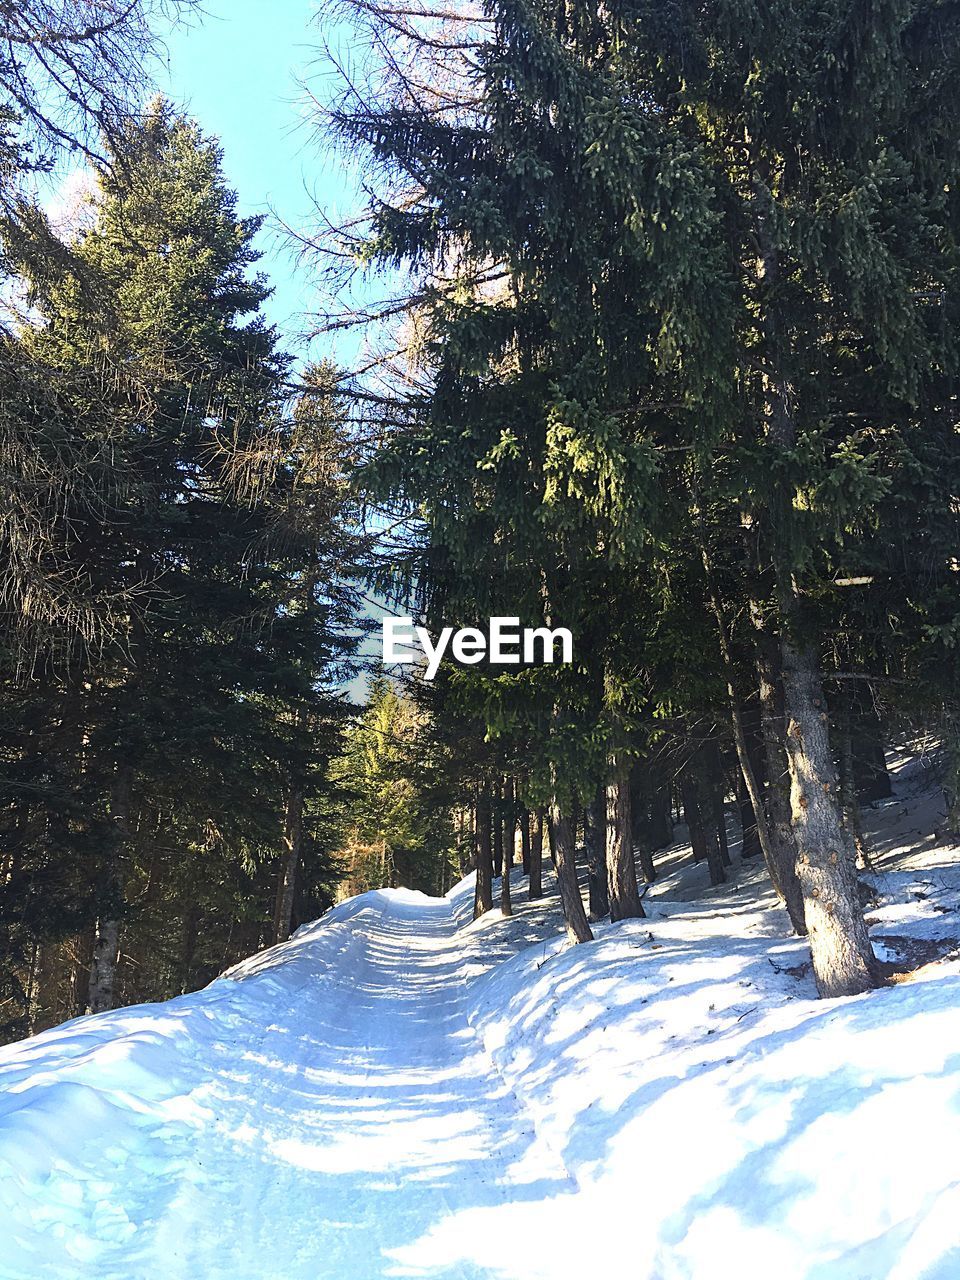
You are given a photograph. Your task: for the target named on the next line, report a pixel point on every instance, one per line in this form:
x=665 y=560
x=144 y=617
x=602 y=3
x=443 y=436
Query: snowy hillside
x=401 y=1092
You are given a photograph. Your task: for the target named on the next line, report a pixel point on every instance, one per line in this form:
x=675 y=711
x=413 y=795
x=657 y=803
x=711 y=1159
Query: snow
x=402 y=1092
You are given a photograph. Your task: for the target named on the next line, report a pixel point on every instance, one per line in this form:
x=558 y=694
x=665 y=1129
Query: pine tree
x=197 y=731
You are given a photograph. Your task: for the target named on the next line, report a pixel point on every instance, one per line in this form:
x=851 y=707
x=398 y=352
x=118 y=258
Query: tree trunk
x=698 y=806
x=641 y=818
x=594 y=840
x=290 y=865
x=621 y=872
x=661 y=817
x=188 y=945
x=483 y=901
x=849 y=799
x=750 y=844
x=496 y=810
x=866 y=736
x=718 y=787
x=720 y=821
x=101 y=991
x=773 y=729
x=780 y=860
x=525 y=840
x=506 y=906
x=843 y=960
x=692 y=817
x=578 y=929
x=535 y=888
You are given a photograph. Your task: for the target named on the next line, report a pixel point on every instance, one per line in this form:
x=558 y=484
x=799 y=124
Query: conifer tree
x=198 y=729
x=658 y=249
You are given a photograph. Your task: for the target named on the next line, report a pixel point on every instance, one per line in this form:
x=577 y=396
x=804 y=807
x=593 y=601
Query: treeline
x=679 y=372
x=178 y=554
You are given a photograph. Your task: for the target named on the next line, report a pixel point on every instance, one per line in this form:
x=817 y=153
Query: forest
x=632 y=324
x=659 y=312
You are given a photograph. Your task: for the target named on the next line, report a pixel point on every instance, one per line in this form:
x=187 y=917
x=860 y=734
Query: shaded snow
x=402 y=1092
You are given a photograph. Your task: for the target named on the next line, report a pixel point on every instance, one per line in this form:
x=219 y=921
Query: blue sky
x=236 y=72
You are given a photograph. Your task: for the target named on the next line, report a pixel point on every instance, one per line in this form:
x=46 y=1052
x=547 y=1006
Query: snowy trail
x=328 y=1107
x=401 y=1091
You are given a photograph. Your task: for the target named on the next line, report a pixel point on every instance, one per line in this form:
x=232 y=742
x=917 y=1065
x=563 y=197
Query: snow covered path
x=315 y=1114
x=400 y=1091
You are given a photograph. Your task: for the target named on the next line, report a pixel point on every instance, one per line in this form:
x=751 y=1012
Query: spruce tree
x=196 y=733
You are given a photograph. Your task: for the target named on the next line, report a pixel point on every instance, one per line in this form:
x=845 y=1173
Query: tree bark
x=103 y=967
x=483 y=901
x=843 y=960
x=621 y=872
x=575 y=918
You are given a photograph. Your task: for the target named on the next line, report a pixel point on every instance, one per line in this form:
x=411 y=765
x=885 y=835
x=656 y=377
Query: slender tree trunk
x=82 y=951
x=661 y=810
x=484 y=895
x=289 y=866
x=692 y=817
x=188 y=945
x=535 y=889
x=594 y=822
x=778 y=850
x=720 y=821
x=753 y=741
x=718 y=787
x=866 y=735
x=506 y=906
x=641 y=818
x=750 y=844
x=525 y=840
x=849 y=800
x=621 y=872
x=773 y=728
x=496 y=807
x=101 y=992
x=578 y=929
x=697 y=803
